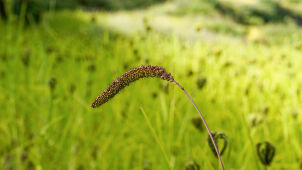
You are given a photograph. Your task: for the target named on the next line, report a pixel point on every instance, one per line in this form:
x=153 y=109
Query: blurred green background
x=240 y=60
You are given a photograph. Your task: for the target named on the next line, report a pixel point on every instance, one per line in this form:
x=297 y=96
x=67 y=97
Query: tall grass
x=252 y=94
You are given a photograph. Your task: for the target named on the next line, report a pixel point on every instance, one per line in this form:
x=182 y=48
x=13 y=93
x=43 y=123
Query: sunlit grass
x=50 y=73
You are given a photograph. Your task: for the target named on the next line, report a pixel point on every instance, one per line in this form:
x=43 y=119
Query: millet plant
x=144 y=72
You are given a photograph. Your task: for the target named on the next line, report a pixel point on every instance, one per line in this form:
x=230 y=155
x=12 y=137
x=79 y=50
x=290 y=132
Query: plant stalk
x=202 y=118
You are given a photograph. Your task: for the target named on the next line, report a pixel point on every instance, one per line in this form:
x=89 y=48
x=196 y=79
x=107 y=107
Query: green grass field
x=248 y=86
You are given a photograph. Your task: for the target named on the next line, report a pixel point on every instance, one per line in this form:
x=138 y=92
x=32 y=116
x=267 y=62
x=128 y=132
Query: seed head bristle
x=128 y=77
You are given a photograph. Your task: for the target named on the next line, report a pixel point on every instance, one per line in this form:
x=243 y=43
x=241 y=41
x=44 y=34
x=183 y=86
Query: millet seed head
x=121 y=82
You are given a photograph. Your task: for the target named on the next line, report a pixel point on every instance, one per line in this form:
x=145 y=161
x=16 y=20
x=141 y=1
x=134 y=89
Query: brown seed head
x=128 y=77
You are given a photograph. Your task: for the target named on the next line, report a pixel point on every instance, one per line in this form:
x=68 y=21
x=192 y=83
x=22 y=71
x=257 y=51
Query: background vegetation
x=240 y=61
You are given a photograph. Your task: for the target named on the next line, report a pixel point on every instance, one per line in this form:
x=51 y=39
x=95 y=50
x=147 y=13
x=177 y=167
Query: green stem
x=202 y=118
x=156 y=137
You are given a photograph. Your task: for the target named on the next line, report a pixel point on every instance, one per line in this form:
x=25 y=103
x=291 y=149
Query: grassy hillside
x=247 y=84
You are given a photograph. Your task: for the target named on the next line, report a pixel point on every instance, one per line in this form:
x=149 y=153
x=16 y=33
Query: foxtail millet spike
x=128 y=77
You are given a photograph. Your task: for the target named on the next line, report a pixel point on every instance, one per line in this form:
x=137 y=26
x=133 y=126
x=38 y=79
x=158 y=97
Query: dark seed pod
x=52 y=83
x=154 y=95
x=80 y=167
x=128 y=77
x=192 y=165
x=146 y=60
x=59 y=59
x=197 y=122
x=197 y=27
x=266 y=152
x=295 y=114
x=72 y=88
x=176 y=149
x=91 y=68
x=94 y=152
x=93 y=19
x=217 y=52
x=26 y=58
x=135 y=52
x=30 y=165
x=227 y=64
x=148 y=27
x=24 y=156
x=217 y=136
x=247 y=91
x=265 y=109
x=255 y=119
x=4 y=57
x=190 y=73
x=49 y=49
x=201 y=82
x=126 y=66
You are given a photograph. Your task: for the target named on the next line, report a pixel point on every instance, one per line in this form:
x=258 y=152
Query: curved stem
x=204 y=122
